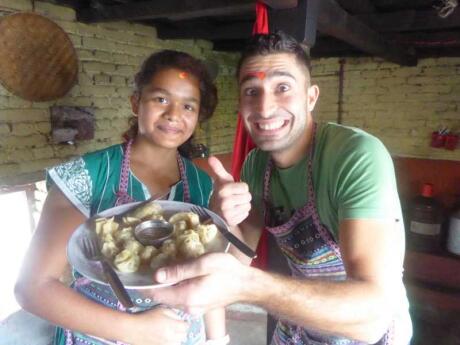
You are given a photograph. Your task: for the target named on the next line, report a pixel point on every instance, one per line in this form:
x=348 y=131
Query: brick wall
x=400 y=105
x=109 y=54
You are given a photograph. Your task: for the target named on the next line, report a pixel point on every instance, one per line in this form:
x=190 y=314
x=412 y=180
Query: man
x=328 y=195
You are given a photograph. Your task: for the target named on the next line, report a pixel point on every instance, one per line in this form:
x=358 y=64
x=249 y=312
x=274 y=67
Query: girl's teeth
x=271 y=126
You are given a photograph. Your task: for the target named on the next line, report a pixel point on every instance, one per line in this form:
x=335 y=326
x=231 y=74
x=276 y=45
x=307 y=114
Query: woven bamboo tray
x=37 y=59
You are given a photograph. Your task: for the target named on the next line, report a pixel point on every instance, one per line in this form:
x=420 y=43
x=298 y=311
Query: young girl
x=173 y=91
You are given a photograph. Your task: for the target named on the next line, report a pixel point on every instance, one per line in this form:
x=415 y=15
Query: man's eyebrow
x=254 y=75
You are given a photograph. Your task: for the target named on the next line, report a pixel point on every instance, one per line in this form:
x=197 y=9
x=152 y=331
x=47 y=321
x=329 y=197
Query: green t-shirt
x=91 y=182
x=353 y=177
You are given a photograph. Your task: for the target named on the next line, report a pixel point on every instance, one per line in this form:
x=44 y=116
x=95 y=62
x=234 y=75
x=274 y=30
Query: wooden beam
x=172 y=9
x=280 y=4
x=392 y=4
x=206 y=31
x=357 y=6
x=411 y=21
x=336 y=22
x=299 y=22
x=427 y=39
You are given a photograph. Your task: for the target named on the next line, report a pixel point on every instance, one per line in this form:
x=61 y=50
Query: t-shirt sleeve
x=74 y=181
x=366 y=180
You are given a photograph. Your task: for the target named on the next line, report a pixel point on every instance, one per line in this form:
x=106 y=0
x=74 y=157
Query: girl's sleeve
x=74 y=180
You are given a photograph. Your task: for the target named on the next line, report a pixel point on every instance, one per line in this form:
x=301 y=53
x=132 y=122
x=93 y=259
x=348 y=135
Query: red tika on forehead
x=183 y=75
x=258 y=75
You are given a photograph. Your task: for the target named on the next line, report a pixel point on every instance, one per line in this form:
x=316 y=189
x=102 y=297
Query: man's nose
x=266 y=105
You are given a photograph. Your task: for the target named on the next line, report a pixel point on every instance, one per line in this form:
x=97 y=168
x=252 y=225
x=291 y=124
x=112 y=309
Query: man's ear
x=134 y=99
x=312 y=96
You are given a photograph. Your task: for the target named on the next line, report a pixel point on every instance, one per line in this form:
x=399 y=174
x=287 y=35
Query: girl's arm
x=216 y=333
x=40 y=292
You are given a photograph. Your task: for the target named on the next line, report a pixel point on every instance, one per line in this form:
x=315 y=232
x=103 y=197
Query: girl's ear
x=134 y=99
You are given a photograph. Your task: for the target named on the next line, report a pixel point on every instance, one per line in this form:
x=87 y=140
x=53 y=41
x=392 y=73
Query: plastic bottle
x=425 y=222
x=453 y=238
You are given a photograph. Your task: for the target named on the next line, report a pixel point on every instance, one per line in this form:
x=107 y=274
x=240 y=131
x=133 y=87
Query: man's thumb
x=219 y=170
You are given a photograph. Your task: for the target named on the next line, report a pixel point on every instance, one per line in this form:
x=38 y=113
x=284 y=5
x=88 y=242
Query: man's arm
x=359 y=307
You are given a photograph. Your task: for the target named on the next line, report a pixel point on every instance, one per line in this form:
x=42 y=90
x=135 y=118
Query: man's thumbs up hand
x=219 y=170
x=230 y=199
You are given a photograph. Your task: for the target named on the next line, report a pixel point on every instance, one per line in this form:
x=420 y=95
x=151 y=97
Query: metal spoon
x=153 y=232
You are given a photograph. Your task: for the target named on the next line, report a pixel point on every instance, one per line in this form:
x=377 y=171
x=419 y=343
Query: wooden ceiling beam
x=357 y=6
x=428 y=39
x=171 y=9
x=280 y=4
x=205 y=31
x=336 y=22
x=411 y=21
x=174 y=9
x=392 y=4
x=299 y=22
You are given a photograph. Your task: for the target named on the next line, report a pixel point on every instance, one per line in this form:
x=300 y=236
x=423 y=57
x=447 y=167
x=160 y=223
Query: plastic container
x=425 y=222
x=453 y=237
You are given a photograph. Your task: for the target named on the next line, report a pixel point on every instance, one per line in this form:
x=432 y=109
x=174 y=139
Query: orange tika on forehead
x=259 y=75
x=183 y=75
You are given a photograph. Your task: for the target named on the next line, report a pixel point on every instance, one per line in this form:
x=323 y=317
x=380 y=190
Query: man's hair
x=275 y=43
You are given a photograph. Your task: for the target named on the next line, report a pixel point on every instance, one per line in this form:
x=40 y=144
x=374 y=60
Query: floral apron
x=104 y=295
x=312 y=253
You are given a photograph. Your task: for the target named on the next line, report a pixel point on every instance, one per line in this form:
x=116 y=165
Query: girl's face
x=168 y=108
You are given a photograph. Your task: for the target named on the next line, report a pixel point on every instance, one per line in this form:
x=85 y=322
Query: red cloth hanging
x=243 y=143
x=261 y=23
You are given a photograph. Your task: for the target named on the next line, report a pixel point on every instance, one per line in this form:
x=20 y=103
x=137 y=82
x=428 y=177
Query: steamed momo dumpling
x=147 y=253
x=98 y=225
x=179 y=227
x=147 y=211
x=124 y=235
x=188 y=234
x=127 y=220
x=169 y=247
x=104 y=226
x=134 y=246
x=190 y=248
x=161 y=259
x=157 y=217
x=191 y=218
x=127 y=261
x=207 y=232
x=109 y=249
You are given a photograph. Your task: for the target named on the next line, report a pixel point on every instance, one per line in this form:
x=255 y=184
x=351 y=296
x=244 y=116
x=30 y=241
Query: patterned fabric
x=312 y=253
x=94 y=183
x=77 y=184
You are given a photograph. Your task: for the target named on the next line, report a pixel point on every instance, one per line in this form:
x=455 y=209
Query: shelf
x=439 y=270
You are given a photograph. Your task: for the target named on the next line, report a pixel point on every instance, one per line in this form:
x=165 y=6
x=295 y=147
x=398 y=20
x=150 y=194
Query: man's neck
x=296 y=152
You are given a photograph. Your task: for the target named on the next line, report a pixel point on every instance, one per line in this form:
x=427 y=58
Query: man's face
x=275 y=100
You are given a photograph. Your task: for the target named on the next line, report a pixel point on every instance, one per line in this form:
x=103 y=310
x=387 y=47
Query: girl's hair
x=166 y=59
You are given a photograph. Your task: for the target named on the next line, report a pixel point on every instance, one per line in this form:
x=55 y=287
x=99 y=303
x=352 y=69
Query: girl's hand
x=158 y=326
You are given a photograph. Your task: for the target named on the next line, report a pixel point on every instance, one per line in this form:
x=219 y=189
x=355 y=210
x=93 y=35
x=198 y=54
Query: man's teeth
x=271 y=126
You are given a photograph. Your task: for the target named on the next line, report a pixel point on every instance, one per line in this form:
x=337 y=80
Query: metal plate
x=142 y=279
